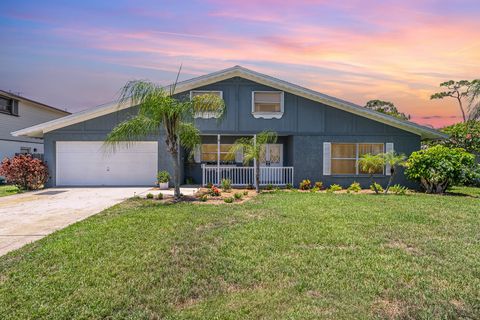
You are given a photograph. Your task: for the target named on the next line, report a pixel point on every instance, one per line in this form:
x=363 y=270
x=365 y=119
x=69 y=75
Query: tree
x=372 y=164
x=394 y=161
x=25 y=172
x=386 y=107
x=160 y=110
x=252 y=149
x=464 y=135
x=440 y=167
x=462 y=91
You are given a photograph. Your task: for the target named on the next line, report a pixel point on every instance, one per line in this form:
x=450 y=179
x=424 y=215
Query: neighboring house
x=320 y=137
x=17 y=112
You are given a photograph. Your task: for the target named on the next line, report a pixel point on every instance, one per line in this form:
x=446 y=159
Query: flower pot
x=163 y=185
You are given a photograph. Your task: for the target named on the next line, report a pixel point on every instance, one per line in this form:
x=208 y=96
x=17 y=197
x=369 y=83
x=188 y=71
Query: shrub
x=245 y=193
x=354 y=187
x=289 y=186
x=238 y=195
x=149 y=196
x=226 y=185
x=305 y=184
x=398 y=189
x=439 y=167
x=160 y=196
x=268 y=187
x=314 y=189
x=163 y=176
x=214 y=191
x=334 y=187
x=25 y=172
x=228 y=200
x=209 y=185
x=376 y=187
x=203 y=198
x=319 y=185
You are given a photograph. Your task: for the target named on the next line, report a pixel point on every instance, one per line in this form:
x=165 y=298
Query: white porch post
x=255 y=161
x=218 y=159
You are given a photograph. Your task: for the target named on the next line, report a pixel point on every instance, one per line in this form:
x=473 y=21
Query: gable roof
x=36 y=103
x=238 y=71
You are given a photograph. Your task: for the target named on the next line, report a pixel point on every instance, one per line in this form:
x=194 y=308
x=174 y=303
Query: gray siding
x=97 y=130
x=304 y=127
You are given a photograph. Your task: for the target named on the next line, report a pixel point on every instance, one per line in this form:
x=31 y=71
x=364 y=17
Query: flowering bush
x=214 y=191
x=25 y=172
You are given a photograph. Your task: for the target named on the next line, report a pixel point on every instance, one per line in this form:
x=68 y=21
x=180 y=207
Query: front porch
x=245 y=176
x=211 y=163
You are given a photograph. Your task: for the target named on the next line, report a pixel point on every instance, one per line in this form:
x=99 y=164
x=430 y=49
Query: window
x=209 y=153
x=206 y=114
x=345 y=156
x=267 y=104
x=25 y=150
x=6 y=105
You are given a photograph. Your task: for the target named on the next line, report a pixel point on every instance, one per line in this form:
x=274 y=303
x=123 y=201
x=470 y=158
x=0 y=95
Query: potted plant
x=163 y=177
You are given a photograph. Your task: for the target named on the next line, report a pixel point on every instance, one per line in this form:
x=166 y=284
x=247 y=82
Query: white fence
x=244 y=176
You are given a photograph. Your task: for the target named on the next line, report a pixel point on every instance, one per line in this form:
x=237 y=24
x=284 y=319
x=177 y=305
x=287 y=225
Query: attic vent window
x=205 y=113
x=267 y=104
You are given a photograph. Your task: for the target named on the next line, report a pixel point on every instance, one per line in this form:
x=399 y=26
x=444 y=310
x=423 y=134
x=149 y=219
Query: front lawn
x=8 y=190
x=282 y=255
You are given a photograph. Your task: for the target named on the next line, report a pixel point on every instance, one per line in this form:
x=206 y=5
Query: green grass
x=284 y=255
x=8 y=190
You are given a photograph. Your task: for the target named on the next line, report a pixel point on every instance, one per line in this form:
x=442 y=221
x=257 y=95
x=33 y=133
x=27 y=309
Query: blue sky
x=77 y=54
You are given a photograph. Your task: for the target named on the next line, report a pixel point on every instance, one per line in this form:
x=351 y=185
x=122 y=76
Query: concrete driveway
x=30 y=216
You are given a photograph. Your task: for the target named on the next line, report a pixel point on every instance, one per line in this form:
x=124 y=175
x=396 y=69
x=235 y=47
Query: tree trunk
x=392 y=175
x=257 y=176
x=461 y=109
x=373 y=184
x=176 y=173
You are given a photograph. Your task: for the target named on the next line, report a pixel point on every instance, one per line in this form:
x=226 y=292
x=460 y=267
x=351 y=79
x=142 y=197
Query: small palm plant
x=372 y=164
x=159 y=110
x=395 y=161
x=252 y=148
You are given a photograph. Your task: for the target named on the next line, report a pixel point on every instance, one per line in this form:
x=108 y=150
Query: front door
x=271 y=156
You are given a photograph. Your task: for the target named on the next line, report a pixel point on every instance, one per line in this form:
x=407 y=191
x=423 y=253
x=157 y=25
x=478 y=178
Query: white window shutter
x=239 y=156
x=388 y=148
x=197 y=154
x=327 y=158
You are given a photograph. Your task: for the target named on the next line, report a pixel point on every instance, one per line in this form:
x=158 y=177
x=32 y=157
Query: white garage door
x=86 y=163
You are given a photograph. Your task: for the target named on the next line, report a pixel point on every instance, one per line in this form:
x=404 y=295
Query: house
x=16 y=113
x=320 y=137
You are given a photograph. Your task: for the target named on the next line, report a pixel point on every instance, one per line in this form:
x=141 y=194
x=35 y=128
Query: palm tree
x=395 y=161
x=252 y=148
x=372 y=164
x=160 y=110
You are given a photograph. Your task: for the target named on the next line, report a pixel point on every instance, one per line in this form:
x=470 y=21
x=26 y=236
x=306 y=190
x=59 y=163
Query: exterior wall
x=29 y=114
x=97 y=130
x=304 y=127
x=306 y=124
x=308 y=162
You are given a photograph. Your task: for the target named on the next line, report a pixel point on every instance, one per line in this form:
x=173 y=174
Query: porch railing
x=244 y=176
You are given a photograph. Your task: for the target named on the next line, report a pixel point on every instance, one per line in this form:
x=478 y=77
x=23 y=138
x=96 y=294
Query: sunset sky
x=77 y=54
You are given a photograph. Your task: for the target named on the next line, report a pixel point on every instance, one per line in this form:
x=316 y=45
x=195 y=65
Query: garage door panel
x=87 y=163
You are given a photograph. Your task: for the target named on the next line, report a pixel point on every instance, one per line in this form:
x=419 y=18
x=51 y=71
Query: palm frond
x=266 y=137
x=129 y=131
x=136 y=91
x=189 y=135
